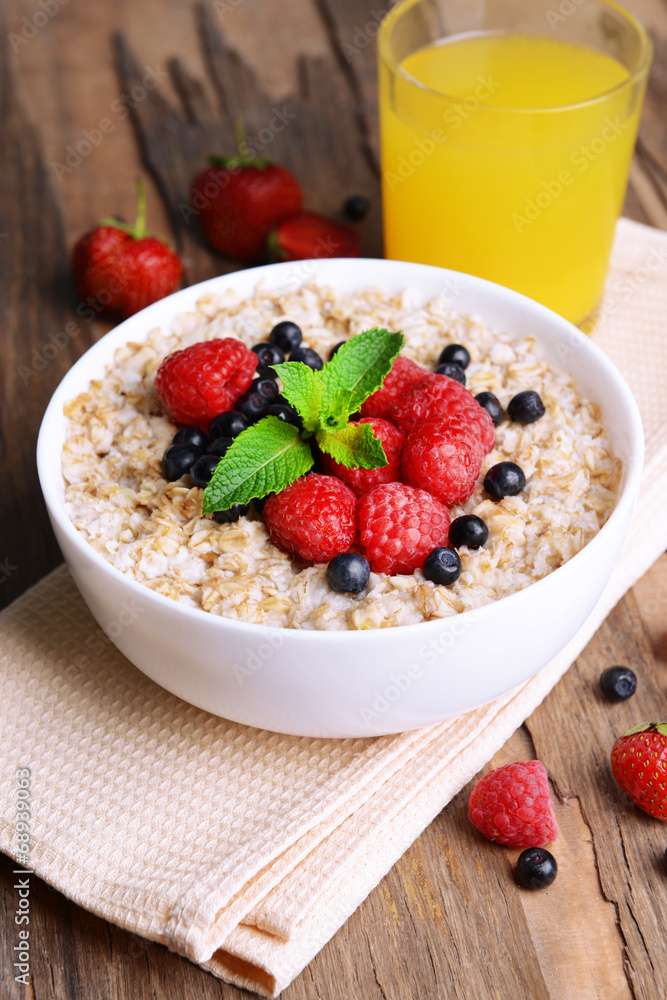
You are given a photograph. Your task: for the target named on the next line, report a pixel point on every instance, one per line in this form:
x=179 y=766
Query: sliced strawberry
x=311 y=235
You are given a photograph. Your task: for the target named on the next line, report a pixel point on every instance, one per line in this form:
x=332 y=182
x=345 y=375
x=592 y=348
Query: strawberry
x=119 y=269
x=310 y=235
x=239 y=198
x=639 y=765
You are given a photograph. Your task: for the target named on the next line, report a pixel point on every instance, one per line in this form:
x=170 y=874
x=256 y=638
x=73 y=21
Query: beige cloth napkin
x=246 y=850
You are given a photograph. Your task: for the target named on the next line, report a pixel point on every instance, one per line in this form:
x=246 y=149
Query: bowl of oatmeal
x=229 y=621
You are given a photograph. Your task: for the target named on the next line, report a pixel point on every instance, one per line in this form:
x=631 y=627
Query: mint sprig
x=355 y=372
x=302 y=387
x=263 y=459
x=354 y=446
x=271 y=454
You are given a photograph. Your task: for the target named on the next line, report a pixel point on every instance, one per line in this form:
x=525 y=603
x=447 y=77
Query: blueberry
x=266 y=387
x=468 y=530
x=504 y=480
x=286 y=335
x=457 y=354
x=178 y=460
x=269 y=354
x=335 y=348
x=348 y=573
x=355 y=208
x=219 y=446
x=452 y=370
x=308 y=356
x=491 y=404
x=618 y=683
x=284 y=412
x=203 y=469
x=536 y=868
x=442 y=566
x=228 y=424
x=231 y=515
x=526 y=407
x=190 y=436
x=252 y=405
x=264 y=371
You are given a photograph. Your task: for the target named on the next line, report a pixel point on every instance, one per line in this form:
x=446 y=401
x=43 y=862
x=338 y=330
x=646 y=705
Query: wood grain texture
x=154 y=88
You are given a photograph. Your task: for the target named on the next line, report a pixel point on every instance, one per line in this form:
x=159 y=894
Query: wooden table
x=95 y=94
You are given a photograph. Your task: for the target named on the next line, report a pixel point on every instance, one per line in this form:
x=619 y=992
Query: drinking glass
x=490 y=165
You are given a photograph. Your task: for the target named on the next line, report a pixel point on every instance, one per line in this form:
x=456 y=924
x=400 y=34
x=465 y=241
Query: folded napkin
x=245 y=850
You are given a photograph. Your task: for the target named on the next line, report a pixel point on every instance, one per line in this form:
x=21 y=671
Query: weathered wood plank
x=312 y=125
x=41 y=333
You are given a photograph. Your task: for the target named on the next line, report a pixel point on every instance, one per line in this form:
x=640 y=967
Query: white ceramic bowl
x=336 y=684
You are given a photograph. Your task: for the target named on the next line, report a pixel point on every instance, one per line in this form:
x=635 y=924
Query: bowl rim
x=187 y=298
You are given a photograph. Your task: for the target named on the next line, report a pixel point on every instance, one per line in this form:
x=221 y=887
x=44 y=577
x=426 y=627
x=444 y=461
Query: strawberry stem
x=240 y=137
x=140 y=222
x=137 y=229
x=244 y=156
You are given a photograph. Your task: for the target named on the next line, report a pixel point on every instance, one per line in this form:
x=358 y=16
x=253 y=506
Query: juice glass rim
x=397 y=69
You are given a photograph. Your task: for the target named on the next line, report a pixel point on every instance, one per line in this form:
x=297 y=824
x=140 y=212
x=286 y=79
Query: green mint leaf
x=302 y=388
x=264 y=458
x=355 y=372
x=354 y=446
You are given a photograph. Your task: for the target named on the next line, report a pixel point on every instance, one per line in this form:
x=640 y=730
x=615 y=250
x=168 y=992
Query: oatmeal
x=154 y=531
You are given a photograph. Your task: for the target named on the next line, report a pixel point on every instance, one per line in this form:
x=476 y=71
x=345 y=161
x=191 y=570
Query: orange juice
x=506 y=156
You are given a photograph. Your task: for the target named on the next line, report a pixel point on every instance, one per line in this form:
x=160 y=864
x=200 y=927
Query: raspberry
x=444 y=461
x=512 y=806
x=439 y=397
x=398 y=527
x=363 y=480
x=201 y=381
x=314 y=518
x=403 y=376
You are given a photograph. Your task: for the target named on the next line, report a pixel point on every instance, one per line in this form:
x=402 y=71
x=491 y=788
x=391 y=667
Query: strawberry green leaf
x=355 y=372
x=647 y=727
x=263 y=459
x=354 y=446
x=302 y=388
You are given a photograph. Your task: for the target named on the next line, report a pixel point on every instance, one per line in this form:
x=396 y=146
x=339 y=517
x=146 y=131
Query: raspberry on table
x=437 y=397
x=444 y=461
x=404 y=375
x=398 y=527
x=512 y=806
x=361 y=481
x=199 y=382
x=314 y=518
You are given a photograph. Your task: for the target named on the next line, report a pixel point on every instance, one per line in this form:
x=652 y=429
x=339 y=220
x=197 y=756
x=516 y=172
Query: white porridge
x=154 y=531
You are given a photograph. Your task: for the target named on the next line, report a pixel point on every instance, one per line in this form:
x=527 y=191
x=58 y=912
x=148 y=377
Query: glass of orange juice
x=507 y=130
